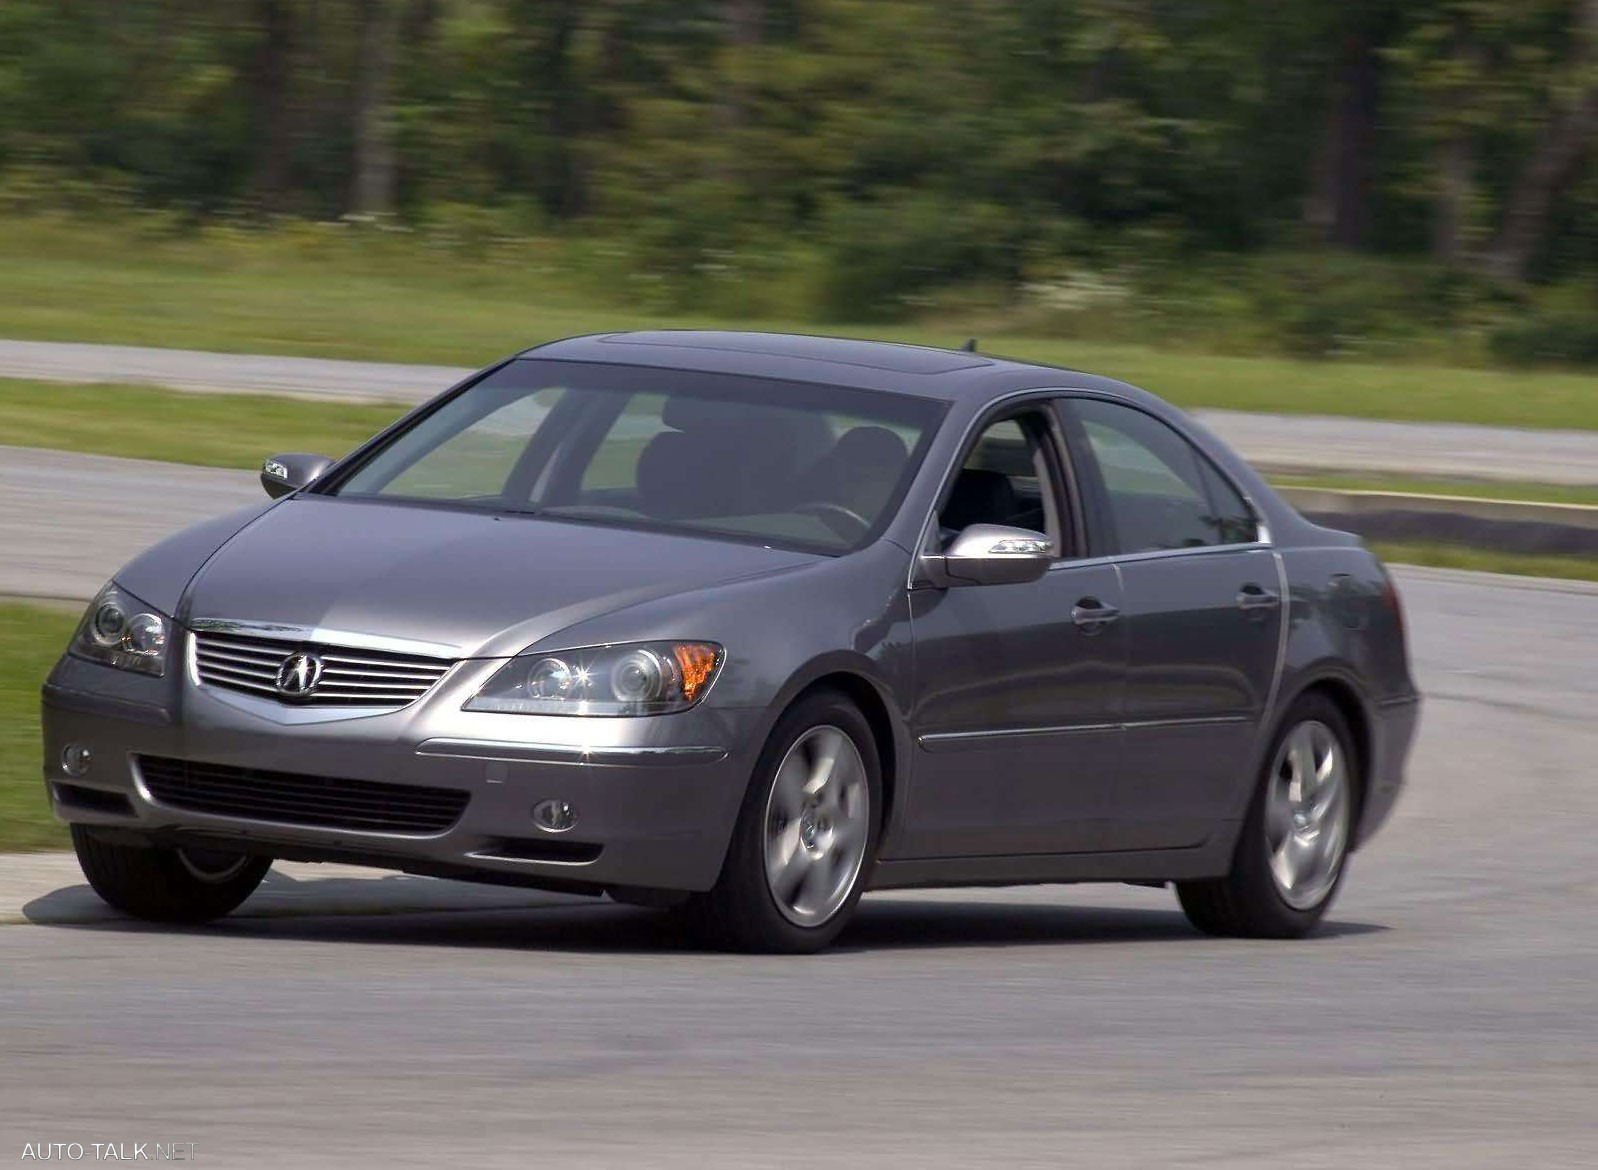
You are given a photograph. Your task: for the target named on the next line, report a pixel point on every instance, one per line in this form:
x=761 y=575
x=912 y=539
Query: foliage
x=864 y=159
x=1560 y=329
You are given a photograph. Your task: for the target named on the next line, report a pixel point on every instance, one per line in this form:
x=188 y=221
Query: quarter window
x=1161 y=493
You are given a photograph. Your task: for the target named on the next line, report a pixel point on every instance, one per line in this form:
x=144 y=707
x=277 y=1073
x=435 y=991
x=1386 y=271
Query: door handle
x=1254 y=597
x=1091 y=615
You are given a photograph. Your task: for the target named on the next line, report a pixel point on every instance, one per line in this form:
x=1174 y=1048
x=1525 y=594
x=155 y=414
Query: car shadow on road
x=335 y=911
x=887 y=923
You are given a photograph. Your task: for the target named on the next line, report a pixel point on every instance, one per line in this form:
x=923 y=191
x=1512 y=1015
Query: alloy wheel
x=1307 y=814
x=818 y=819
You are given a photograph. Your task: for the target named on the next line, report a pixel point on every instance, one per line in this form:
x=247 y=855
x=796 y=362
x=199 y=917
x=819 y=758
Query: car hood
x=482 y=584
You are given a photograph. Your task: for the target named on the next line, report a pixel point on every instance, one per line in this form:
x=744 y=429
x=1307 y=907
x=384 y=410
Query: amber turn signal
x=696 y=662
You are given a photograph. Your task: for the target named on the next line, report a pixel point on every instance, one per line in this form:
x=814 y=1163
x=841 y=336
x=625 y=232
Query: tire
x=800 y=854
x=164 y=883
x=1287 y=871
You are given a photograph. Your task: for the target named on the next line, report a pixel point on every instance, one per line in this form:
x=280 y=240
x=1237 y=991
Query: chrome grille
x=349 y=676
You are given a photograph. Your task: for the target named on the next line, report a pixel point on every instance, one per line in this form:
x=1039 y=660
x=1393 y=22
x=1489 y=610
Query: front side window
x=1004 y=479
x=1161 y=493
x=796 y=465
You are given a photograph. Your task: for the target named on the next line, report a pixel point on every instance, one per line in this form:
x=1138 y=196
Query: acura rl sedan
x=742 y=626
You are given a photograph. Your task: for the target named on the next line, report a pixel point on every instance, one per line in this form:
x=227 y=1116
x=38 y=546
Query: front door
x=1018 y=687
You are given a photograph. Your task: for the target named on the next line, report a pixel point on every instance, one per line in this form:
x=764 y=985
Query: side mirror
x=283 y=474
x=992 y=554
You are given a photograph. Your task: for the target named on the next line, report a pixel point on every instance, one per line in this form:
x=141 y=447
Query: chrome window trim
x=1160 y=553
x=1049 y=394
x=1262 y=529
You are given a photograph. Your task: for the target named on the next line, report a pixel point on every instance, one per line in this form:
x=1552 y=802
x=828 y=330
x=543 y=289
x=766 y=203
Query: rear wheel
x=805 y=838
x=1293 y=852
x=167 y=883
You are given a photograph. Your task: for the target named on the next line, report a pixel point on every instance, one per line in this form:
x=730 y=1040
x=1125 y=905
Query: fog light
x=75 y=759
x=555 y=815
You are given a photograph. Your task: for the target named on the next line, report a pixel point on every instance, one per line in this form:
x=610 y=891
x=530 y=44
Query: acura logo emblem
x=299 y=674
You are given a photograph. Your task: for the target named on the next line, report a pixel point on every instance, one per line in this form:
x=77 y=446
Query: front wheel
x=805 y=838
x=1293 y=851
x=167 y=883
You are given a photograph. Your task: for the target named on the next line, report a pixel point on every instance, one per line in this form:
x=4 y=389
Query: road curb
x=1519 y=526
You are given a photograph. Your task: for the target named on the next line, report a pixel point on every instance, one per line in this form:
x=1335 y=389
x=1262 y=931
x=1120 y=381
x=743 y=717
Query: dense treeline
x=912 y=142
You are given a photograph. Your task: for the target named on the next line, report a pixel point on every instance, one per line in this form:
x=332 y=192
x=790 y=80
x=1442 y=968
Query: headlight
x=643 y=678
x=120 y=630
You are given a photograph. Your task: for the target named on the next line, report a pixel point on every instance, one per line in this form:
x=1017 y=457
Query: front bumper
x=655 y=798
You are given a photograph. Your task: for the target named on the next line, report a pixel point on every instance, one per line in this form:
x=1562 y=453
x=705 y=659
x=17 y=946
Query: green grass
x=330 y=292
x=214 y=430
x=31 y=639
x=1451 y=556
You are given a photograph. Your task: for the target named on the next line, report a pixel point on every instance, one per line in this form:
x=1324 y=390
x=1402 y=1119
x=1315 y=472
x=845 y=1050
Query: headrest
x=980 y=497
x=683 y=413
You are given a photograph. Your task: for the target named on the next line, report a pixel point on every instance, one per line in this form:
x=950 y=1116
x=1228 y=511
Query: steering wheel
x=853 y=524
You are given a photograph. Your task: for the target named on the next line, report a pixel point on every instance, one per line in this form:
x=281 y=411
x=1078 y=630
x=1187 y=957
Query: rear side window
x=1161 y=493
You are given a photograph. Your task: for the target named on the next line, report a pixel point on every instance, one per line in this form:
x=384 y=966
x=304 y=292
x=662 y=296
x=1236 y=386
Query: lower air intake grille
x=288 y=798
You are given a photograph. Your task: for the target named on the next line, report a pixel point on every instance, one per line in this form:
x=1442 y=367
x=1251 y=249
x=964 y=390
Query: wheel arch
x=1352 y=704
x=858 y=680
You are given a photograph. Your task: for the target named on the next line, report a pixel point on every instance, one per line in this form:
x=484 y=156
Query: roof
x=876 y=365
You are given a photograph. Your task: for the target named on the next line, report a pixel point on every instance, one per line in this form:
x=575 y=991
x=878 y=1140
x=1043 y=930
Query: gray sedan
x=742 y=626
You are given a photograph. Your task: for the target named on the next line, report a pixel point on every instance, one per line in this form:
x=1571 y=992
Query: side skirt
x=1211 y=859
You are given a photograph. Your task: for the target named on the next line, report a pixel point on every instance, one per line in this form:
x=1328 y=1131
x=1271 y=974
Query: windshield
x=818 y=468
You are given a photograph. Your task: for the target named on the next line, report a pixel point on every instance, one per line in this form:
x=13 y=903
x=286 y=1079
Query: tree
x=374 y=164
x=1556 y=156
x=270 y=78
x=1338 y=204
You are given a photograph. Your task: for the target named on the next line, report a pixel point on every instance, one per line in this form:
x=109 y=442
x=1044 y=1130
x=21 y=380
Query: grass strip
x=1481 y=560
x=31 y=639
x=330 y=293
x=213 y=430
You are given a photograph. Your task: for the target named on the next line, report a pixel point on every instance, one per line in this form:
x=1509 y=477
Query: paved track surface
x=1303 y=443
x=224 y=373
x=68 y=521
x=1445 y=1018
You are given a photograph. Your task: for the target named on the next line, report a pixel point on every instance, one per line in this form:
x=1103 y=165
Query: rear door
x=1202 y=604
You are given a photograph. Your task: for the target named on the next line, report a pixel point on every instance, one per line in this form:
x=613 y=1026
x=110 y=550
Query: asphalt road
x=68 y=521
x=1445 y=1018
x=1302 y=443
